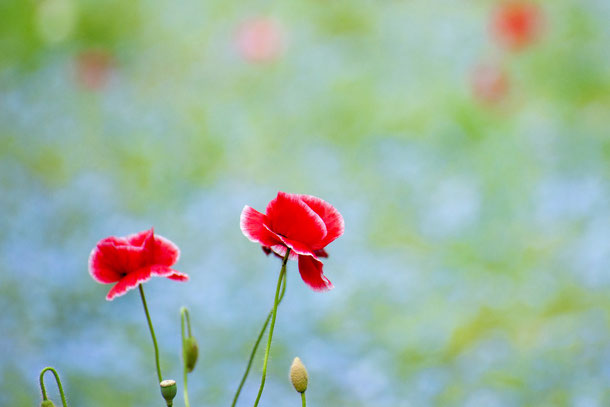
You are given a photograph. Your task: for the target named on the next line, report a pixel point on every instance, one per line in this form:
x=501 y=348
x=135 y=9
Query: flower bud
x=190 y=353
x=47 y=403
x=168 y=391
x=298 y=375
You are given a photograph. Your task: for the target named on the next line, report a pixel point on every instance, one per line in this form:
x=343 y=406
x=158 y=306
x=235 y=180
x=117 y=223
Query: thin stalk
x=271 y=327
x=184 y=313
x=44 y=390
x=255 y=347
x=303 y=399
x=152 y=332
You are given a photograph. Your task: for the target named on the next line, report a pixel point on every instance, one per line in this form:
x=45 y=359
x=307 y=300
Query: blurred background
x=465 y=143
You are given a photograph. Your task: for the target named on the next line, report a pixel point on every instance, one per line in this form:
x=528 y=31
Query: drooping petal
x=178 y=276
x=165 y=271
x=252 y=226
x=312 y=274
x=128 y=282
x=333 y=220
x=290 y=217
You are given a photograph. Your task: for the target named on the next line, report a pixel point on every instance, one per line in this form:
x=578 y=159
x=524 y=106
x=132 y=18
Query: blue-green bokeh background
x=474 y=270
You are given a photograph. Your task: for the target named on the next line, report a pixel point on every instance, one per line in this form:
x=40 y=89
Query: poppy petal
x=157 y=249
x=312 y=274
x=290 y=217
x=129 y=282
x=164 y=271
x=320 y=253
x=100 y=270
x=280 y=251
x=138 y=239
x=108 y=262
x=333 y=220
x=166 y=252
x=297 y=247
x=252 y=226
x=178 y=276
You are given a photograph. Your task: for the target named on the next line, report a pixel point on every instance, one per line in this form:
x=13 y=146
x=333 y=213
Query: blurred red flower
x=489 y=83
x=93 y=68
x=303 y=223
x=260 y=39
x=134 y=259
x=516 y=24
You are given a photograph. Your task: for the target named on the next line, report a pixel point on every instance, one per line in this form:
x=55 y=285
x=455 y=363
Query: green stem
x=303 y=399
x=255 y=347
x=184 y=314
x=273 y=316
x=44 y=390
x=152 y=332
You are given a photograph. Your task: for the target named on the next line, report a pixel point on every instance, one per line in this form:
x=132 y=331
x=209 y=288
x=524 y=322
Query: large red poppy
x=303 y=223
x=134 y=259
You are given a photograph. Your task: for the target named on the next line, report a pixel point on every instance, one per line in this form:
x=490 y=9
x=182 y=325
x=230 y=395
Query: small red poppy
x=490 y=83
x=260 y=39
x=132 y=260
x=93 y=68
x=303 y=223
x=516 y=24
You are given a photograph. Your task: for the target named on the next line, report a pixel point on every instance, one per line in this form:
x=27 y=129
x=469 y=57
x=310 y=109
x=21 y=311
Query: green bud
x=298 y=375
x=168 y=391
x=47 y=403
x=190 y=353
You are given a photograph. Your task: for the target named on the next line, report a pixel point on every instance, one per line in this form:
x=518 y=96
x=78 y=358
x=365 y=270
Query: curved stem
x=303 y=399
x=273 y=316
x=152 y=332
x=184 y=314
x=44 y=390
x=255 y=347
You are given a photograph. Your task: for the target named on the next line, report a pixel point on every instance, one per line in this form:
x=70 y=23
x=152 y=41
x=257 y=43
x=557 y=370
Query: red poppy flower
x=132 y=260
x=303 y=223
x=517 y=24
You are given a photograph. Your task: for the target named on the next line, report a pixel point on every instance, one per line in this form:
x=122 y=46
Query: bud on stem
x=298 y=375
x=191 y=353
x=45 y=400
